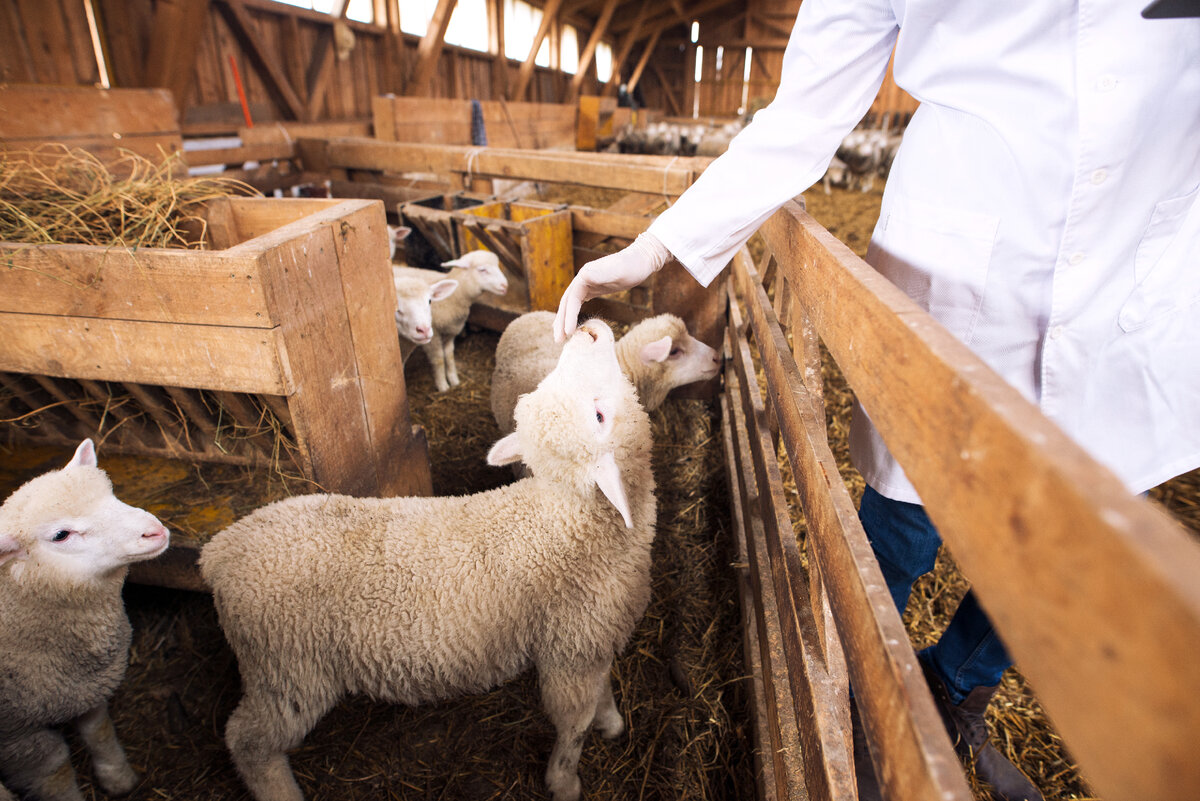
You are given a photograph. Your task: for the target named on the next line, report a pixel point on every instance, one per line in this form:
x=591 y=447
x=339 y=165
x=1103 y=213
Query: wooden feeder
x=532 y=240
x=285 y=325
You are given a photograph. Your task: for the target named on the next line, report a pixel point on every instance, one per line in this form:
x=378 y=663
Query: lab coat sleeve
x=834 y=64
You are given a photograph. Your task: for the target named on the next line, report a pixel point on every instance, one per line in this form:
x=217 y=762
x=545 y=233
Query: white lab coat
x=1042 y=206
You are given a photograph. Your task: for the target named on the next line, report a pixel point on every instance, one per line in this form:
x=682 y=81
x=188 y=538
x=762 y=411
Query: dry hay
x=60 y=195
x=679 y=682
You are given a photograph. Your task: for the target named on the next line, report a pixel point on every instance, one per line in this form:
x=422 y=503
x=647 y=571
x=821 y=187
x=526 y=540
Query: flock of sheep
x=408 y=599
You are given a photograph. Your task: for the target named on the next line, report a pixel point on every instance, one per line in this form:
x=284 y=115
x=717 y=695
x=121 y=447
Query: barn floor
x=680 y=681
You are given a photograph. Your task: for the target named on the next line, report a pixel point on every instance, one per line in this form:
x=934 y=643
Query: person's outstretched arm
x=834 y=64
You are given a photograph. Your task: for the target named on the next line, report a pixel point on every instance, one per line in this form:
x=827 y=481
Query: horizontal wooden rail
x=662 y=175
x=1096 y=592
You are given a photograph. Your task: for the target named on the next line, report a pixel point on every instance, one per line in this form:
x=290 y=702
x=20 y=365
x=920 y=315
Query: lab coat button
x=1106 y=83
x=1076 y=259
x=1099 y=177
x=1056 y=332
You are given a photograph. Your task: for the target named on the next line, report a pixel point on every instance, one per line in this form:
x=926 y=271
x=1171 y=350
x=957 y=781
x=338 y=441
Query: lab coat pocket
x=1167 y=264
x=939 y=257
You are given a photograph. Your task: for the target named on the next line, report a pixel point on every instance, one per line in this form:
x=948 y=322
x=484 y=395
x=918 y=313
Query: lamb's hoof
x=454 y=382
x=117 y=780
x=563 y=787
x=610 y=728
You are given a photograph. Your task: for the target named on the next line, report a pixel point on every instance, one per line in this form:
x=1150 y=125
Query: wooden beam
x=641 y=65
x=585 y=60
x=243 y=28
x=549 y=17
x=178 y=27
x=496 y=45
x=668 y=90
x=614 y=80
x=317 y=75
x=430 y=49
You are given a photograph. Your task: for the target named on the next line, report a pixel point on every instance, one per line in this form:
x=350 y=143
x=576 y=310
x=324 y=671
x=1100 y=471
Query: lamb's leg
x=570 y=698
x=451 y=366
x=38 y=764
x=608 y=720
x=113 y=772
x=433 y=352
x=260 y=732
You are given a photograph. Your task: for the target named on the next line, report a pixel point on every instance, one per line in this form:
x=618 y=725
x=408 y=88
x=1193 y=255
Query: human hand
x=607 y=274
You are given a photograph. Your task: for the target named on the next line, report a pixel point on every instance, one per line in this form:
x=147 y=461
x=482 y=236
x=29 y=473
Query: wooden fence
x=1094 y=591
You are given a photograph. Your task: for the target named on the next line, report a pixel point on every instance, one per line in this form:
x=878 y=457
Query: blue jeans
x=969 y=654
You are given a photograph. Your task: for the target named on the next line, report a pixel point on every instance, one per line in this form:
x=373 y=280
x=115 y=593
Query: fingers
x=568 y=312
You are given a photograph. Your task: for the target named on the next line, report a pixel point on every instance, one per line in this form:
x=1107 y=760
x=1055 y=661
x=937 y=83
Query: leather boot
x=969 y=733
x=864 y=769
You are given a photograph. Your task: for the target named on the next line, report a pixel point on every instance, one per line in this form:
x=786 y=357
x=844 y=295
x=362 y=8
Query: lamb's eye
x=676 y=352
x=599 y=416
x=59 y=536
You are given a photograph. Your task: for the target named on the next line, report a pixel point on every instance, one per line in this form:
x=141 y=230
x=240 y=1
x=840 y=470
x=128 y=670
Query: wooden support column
x=585 y=60
x=610 y=88
x=549 y=17
x=243 y=28
x=430 y=49
x=495 y=9
x=641 y=65
x=174 y=41
x=668 y=89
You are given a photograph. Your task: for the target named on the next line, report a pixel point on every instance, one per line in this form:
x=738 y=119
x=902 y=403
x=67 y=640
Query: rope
x=471 y=156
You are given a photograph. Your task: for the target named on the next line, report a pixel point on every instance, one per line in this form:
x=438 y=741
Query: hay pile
x=61 y=195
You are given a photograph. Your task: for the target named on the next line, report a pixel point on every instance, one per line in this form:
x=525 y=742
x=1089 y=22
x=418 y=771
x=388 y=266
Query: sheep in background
x=657 y=355
x=421 y=599
x=66 y=544
x=414 y=305
x=476 y=272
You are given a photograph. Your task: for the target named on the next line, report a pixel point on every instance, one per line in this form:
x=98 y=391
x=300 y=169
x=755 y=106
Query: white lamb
x=657 y=355
x=65 y=546
x=419 y=599
x=476 y=272
x=414 y=306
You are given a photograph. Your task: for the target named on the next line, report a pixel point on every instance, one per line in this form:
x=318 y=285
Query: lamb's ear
x=608 y=479
x=85 y=455
x=444 y=288
x=505 y=451
x=9 y=548
x=656 y=351
x=399 y=232
x=459 y=262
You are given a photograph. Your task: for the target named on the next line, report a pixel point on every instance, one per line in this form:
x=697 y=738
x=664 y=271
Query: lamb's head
x=414 y=297
x=67 y=528
x=660 y=354
x=487 y=270
x=583 y=426
x=396 y=235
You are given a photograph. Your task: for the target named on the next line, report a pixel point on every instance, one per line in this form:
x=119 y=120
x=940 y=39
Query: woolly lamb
x=476 y=272
x=414 y=305
x=657 y=355
x=65 y=545
x=419 y=599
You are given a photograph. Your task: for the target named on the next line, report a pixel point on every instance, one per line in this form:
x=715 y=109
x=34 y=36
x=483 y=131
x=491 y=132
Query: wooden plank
x=430 y=48
x=271 y=73
x=784 y=757
x=592 y=169
x=549 y=17
x=34 y=112
x=174 y=42
x=992 y=469
x=897 y=710
x=549 y=266
x=151 y=285
x=646 y=53
x=401 y=460
x=200 y=356
x=317 y=77
x=589 y=50
x=610 y=87
x=240 y=155
x=608 y=223
x=448 y=122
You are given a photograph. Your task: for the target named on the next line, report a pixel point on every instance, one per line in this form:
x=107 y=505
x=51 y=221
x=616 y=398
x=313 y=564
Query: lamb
x=414 y=305
x=657 y=355
x=66 y=544
x=418 y=599
x=476 y=272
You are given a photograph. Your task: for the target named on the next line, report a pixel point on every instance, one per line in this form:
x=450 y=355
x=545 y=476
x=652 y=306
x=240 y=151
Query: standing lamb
x=414 y=306
x=66 y=544
x=420 y=599
x=476 y=272
x=657 y=355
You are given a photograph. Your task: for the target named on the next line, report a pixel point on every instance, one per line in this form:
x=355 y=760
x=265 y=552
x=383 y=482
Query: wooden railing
x=1095 y=592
